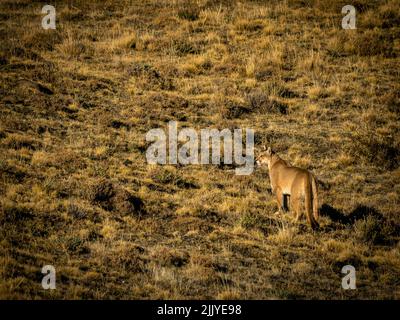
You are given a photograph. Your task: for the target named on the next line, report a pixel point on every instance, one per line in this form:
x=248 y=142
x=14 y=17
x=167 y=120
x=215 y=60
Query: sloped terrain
x=77 y=193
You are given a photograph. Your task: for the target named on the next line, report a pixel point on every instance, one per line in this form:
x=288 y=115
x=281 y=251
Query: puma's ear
x=269 y=151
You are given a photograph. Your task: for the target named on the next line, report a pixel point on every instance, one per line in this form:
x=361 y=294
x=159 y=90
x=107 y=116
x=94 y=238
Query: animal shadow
x=360 y=212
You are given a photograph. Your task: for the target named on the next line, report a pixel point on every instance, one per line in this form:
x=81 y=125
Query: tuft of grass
x=260 y=102
x=371 y=43
x=188 y=11
x=375 y=144
x=170 y=176
x=369 y=230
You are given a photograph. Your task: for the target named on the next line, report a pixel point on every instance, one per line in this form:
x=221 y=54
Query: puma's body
x=292 y=186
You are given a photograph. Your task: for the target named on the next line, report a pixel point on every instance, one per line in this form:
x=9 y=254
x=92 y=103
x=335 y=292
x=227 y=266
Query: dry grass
x=75 y=189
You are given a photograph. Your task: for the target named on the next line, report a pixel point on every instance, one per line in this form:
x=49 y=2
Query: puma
x=291 y=186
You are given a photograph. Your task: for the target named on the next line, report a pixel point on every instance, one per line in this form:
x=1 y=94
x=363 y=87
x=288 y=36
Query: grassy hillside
x=76 y=191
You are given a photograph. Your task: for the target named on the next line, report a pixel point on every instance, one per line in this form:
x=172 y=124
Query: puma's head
x=264 y=158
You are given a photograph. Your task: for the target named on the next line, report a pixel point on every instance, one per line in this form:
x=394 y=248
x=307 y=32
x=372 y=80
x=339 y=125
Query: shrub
x=369 y=230
x=76 y=211
x=102 y=193
x=184 y=47
x=370 y=43
x=43 y=40
x=376 y=140
x=150 y=77
x=376 y=148
x=249 y=221
x=233 y=110
x=261 y=102
x=188 y=13
x=126 y=203
x=167 y=257
x=112 y=198
x=170 y=176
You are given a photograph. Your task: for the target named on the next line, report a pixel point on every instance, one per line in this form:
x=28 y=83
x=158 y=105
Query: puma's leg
x=295 y=205
x=279 y=199
x=285 y=201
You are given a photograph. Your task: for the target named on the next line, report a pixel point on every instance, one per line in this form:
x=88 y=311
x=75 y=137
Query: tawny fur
x=293 y=186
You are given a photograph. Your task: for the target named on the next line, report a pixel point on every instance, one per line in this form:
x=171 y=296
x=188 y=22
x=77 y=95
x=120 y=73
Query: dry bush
x=364 y=43
x=249 y=26
x=371 y=43
x=389 y=14
x=262 y=103
x=391 y=100
x=102 y=193
x=336 y=44
x=263 y=73
x=75 y=46
x=126 y=203
x=43 y=40
x=375 y=145
x=112 y=198
x=335 y=6
x=19 y=141
x=167 y=257
x=188 y=10
x=150 y=77
x=216 y=4
x=121 y=43
x=171 y=176
x=234 y=110
x=377 y=149
x=70 y=14
x=386 y=16
x=374 y=230
x=14 y=213
x=128 y=256
x=77 y=211
x=181 y=43
x=197 y=65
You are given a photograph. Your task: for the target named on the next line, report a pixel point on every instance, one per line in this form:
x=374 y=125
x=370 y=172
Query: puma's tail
x=314 y=188
x=311 y=202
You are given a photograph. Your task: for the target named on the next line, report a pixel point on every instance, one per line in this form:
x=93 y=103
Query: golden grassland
x=76 y=191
